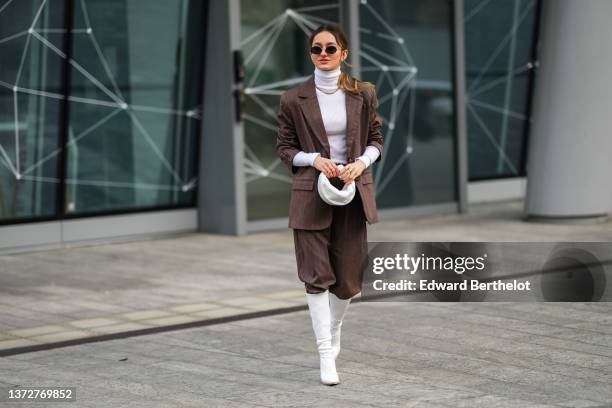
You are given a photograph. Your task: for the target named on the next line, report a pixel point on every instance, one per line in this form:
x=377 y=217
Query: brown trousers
x=334 y=258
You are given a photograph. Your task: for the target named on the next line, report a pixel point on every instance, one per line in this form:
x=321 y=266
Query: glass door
x=274 y=36
x=406 y=50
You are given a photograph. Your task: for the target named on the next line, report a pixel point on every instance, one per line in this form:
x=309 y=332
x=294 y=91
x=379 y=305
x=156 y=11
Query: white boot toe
x=329 y=375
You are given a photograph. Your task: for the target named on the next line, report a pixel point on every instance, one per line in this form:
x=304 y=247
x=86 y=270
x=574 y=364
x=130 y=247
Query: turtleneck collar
x=327 y=79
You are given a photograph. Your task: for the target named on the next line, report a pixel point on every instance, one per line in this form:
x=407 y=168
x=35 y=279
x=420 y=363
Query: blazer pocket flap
x=301 y=184
x=366 y=178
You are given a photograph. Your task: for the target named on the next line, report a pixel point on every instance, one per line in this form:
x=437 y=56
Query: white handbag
x=331 y=195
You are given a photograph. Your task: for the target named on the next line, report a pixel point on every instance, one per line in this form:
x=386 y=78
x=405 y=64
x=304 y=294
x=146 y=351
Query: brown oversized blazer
x=301 y=128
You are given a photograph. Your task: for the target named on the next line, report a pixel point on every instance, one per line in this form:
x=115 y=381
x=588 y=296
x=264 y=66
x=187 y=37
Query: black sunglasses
x=318 y=50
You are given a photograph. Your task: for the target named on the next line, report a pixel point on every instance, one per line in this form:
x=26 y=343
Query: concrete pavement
x=75 y=293
x=394 y=354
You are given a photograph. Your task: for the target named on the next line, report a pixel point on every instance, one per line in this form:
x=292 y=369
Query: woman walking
x=329 y=125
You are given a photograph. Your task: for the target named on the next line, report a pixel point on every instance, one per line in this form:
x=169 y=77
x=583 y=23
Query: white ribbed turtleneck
x=327 y=80
x=333 y=112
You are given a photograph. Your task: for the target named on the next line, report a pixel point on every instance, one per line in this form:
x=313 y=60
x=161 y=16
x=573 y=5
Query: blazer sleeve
x=287 y=143
x=375 y=137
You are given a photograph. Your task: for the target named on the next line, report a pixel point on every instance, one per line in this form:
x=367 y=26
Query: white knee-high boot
x=337 y=309
x=318 y=305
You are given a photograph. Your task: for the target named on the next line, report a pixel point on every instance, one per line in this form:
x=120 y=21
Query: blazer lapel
x=310 y=108
x=353 y=112
x=309 y=105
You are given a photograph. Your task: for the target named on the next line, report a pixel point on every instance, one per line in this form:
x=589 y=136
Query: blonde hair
x=346 y=82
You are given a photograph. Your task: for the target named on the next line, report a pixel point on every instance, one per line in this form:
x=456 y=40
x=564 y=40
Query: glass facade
x=499 y=72
x=102 y=99
x=128 y=139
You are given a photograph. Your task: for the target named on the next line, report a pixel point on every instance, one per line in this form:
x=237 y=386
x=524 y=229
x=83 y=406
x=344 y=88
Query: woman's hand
x=351 y=171
x=326 y=166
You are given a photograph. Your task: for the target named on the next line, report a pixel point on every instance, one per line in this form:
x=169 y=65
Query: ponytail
x=348 y=83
